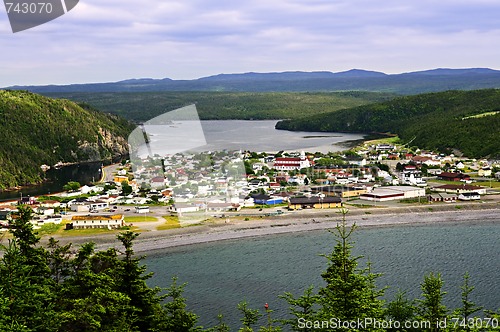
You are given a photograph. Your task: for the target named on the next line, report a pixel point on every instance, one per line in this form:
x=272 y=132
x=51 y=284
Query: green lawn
x=94 y=231
x=50 y=228
x=132 y=219
x=385 y=140
x=171 y=222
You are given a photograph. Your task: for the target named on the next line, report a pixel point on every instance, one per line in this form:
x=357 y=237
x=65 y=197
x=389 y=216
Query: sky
x=112 y=40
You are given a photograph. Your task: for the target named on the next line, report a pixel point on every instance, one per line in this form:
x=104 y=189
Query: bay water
x=257 y=270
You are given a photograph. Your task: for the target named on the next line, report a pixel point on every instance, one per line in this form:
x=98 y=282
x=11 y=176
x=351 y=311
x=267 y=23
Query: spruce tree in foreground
x=431 y=307
x=62 y=290
x=349 y=294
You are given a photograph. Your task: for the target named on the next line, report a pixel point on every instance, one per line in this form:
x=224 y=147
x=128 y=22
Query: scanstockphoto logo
x=25 y=14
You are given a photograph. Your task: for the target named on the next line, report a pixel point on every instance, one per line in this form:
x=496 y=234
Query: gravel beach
x=299 y=222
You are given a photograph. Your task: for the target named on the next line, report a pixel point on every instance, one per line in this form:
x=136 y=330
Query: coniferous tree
x=350 y=293
x=59 y=260
x=463 y=315
x=431 y=307
x=25 y=279
x=250 y=316
x=145 y=302
x=401 y=310
x=303 y=308
x=221 y=326
x=90 y=299
x=177 y=317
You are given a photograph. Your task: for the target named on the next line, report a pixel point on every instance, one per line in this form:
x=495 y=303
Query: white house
x=292 y=163
x=485 y=172
x=180 y=208
x=412 y=177
x=98 y=205
x=470 y=196
x=390 y=193
x=45 y=211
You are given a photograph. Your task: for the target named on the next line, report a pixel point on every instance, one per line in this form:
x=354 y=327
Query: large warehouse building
x=391 y=193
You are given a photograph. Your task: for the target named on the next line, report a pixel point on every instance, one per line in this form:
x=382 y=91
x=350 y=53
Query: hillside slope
x=468 y=121
x=36 y=130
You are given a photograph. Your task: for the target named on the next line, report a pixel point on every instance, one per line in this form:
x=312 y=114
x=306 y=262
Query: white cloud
x=112 y=40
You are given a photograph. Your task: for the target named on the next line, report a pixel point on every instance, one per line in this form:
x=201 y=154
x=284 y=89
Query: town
x=192 y=188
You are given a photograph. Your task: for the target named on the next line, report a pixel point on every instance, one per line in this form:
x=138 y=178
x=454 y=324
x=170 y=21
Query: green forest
x=467 y=121
x=36 y=130
x=143 y=106
x=62 y=288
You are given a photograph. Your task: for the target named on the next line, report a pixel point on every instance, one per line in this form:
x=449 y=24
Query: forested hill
x=143 y=106
x=36 y=130
x=468 y=121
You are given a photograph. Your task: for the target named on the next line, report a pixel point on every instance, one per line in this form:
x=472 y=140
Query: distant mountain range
x=434 y=80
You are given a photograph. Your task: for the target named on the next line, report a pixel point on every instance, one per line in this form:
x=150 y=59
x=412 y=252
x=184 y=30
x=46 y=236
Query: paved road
x=109 y=172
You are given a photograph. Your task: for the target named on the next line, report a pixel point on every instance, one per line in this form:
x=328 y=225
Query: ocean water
x=257 y=270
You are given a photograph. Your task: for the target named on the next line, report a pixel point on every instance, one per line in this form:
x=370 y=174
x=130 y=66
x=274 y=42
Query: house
x=118 y=179
x=5 y=215
x=98 y=205
x=27 y=201
x=274 y=185
x=460 y=188
x=96 y=221
x=356 y=161
x=469 y=196
x=79 y=205
x=266 y=199
x=50 y=204
x=45 y=211
x=292 y=163
x=448 y=176
x=92 y=189
x=314 y=202
x=429 y=161
x=222 y=207
x=384 y=147
x=484 y=172
x=299 y=180
x=412 y=176
x=340 y=191
x=442 y=197
x=180 y=208
x=158 y=182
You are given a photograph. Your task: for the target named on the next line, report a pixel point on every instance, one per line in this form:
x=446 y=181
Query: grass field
x=132 y=219
x=171 y=222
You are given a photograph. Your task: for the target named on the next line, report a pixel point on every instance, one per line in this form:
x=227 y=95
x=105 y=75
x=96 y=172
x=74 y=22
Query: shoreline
x=156 y=241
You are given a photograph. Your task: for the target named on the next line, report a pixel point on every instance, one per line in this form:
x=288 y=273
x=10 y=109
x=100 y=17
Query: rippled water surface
x=220 y=275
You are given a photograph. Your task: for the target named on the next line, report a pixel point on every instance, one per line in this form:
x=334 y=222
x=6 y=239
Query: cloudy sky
x=111 y=40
